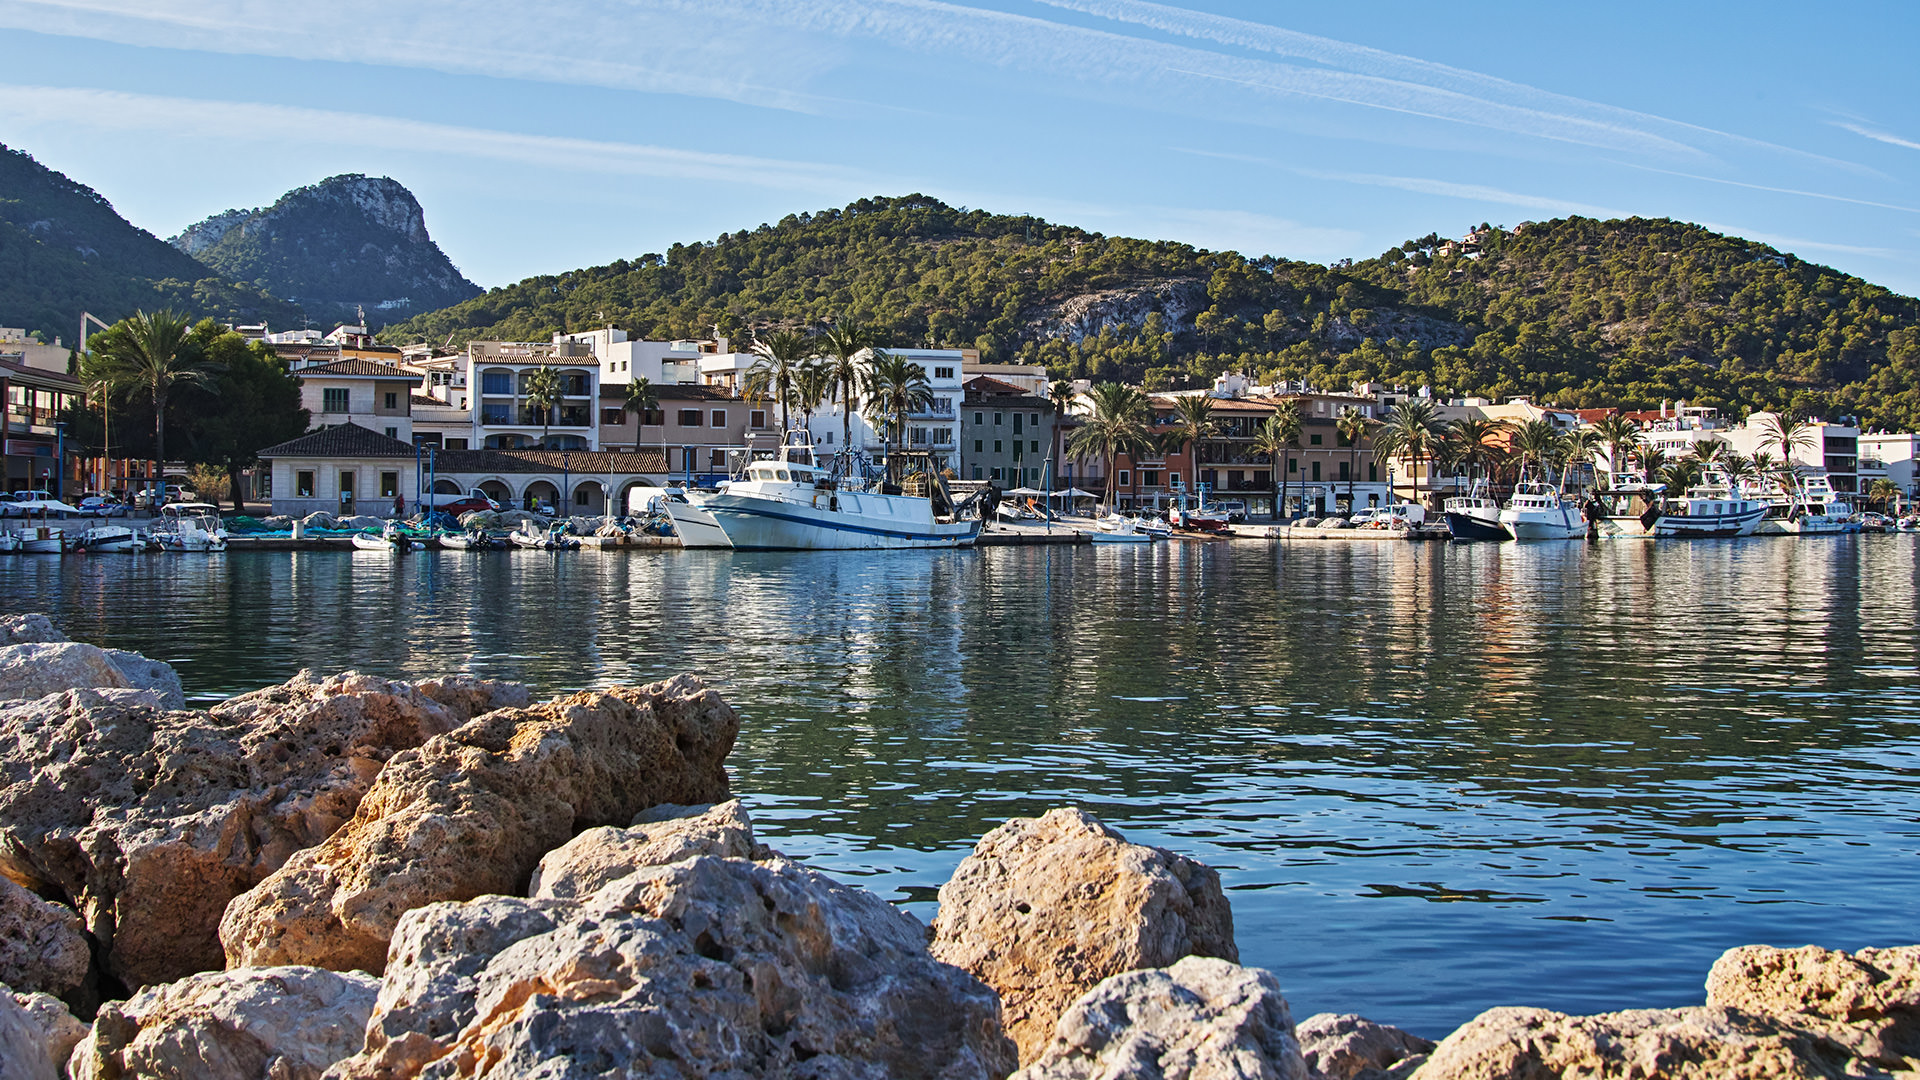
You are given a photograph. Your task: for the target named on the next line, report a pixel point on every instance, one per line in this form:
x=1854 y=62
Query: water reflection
x=1436 y=778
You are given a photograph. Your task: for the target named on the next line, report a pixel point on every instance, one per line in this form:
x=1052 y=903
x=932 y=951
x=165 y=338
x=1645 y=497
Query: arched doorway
x=444 y=486
x=589 y=498
x=625 y=505
x=497 y=490
x=541 y=495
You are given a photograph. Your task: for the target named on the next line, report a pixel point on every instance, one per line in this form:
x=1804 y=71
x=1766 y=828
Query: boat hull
x=1563 y=524
x=762 y=524
x=1469 y=527
x=694 y=526
x=1708 y=526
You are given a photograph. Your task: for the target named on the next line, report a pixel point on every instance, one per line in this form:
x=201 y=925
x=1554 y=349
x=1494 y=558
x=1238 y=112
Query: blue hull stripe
x=837 y=527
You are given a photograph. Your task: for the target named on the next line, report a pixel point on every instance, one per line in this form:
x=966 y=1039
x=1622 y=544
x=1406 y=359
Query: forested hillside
x=64 y=250
x=344 y=244
x=1575 y=311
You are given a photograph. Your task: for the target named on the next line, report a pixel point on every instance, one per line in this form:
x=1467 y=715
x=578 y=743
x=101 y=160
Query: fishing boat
x=1627 y=508
x=111 y=538
x=1475 y=515
x=781 y=499
x=1711 y=509
x=1804 y=506
x=41 y=540
x=193 y=527
x=1542 y=511
x=554 y=538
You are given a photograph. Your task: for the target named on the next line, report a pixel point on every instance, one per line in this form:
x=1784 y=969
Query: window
x=1016 y=423
x=456 y=444
x=976 y=472
x=999 y=473
x=979 y=418
x=1173 y=479
x=1149 y=477
x=943 y=373
x=1373 y=472
x=613 y=417
x=393 y=433
x=979 y=446
x=333 y=400
x=346 y=485
x=303 y=484
x=689 y=417
x=1016 y=449
x=1126 y=479
x=580 y=495
x=719 y=418
x=999 y=446
x=1033 y=445
x=1313 y=440
x=829 y=441
x=716 y=458
x=389 y=484
x=1316 y=471
x=1343 y=471
x=496 y=413
x=496 y=382
x=996 y=419
x=1293 y=465
x=392 y=400
x=757 y=418
x=652 y=416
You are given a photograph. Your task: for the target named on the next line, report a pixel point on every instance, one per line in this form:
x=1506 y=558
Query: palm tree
x=896 y=387
x=542 y=392
x=1474 y=436
x=1710 y=450
x=1620 y=434
x=151 y=353
x=1117 y=425
x=1277 y=438
x=1681 y=475
x=1578 y=447
x=812 y=384
x=1192 y=421
x=845 y=343
x=642 y=399
x=1353 y=426
x=1652 y=458
x=1537 y=441
x=1409 y=434
x=1786 y=434
x=1060 y=392
x=1739 y=467
x=772 y=375
x=1882 y=492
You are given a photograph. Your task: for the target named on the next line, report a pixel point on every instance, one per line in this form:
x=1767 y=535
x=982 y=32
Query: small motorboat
x=471 y=540
x=389 y=538
x=555 y=538
x=42 y=540
x=9 y=542
x=190 y=527
x=1118 y=530
x=116 y=538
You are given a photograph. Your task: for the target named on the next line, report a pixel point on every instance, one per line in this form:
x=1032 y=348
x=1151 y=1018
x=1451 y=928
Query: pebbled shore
x=351 y=877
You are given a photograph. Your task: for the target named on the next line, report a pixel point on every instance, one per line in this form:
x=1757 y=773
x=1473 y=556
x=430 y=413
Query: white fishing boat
x=42 y=540
x=1475 y=515
x=782 y=500
x=1804 y=506
x=695 y=527
x=1627 y=508
x=9 y=542
x=193 y=527
x=1709 y=510
x=1541 y=511
x=111 y=538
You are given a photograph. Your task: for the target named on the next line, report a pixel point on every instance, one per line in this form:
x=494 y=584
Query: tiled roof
x=989 y=386
x=341 y=441
x=355 y=368
x=55 y=379
x=671 y=392
x=587 y=462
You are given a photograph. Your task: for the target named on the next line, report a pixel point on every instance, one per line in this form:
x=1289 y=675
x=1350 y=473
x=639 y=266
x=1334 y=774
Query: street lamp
x=566 y=482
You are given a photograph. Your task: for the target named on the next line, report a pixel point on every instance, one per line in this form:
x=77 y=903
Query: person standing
x=399 y=505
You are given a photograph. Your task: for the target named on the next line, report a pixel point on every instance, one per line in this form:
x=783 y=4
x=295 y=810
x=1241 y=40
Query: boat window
x=784 y=475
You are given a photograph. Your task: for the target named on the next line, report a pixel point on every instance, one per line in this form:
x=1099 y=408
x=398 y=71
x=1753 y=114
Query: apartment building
x=1006 y=435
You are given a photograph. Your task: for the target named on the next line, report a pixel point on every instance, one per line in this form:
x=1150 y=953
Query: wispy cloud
x=1775 y=190
x=1877 y=135
x=107 y=110
x=1797 y=244
x=1471 y=192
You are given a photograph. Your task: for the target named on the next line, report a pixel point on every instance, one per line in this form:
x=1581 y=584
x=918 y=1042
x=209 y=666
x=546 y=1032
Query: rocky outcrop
x=1201 y=1019
x=29 y=629
x=148 y=822
x=1342 y=1046
x=24 y=1050
x=42 y=947
x=37 y=669
x=1770 y=1013
x=664 y=834
x=705 y=967
x=60 y=1030
x=286 y=1023
x=1044 y=908
x=472 y=811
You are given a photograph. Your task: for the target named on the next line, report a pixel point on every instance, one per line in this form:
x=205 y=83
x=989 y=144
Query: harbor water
x=1434 y=778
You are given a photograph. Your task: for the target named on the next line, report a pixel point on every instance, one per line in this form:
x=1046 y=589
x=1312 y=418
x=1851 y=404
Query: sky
x=544 y=137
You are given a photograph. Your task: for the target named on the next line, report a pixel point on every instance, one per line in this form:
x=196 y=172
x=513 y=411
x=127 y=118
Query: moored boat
x=1541 y=511
x=694 y=527
x=111 y=538
x=554 y=538
x=42 y=540
x=782 y=500
x=1475 y=515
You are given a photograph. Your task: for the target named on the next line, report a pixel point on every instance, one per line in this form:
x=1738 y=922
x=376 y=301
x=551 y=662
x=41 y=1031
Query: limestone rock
x=664 y=834
x=1870 y=986
x=36 y=669
x=1047 y=907
x=59 y=1029
x=150 y=821
x=1341 y=1046
x=472 y=811
x=1201 y=1019
x=28 y=629
x=24 y=1053
x=41 y=944
x=286 y=1023
x=701 y=968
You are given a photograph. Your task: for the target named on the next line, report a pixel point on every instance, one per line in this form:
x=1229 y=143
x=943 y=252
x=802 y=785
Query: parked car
x=154 y=498
x=456 y=505
x=103 y=506
x=1235 y=510
x=11 y=507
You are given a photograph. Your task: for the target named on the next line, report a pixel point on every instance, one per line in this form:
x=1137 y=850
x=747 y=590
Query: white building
x=1892 y=457
x=499 y=415
x=1832 y=449
x=935 y=429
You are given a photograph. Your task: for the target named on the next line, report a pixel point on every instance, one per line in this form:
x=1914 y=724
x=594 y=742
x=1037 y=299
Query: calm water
x=1436 y=778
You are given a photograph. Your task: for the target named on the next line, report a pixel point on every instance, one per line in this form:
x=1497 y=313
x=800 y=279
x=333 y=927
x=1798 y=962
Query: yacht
x=190 y=527
x=1475 y=515
x=1541 y=511
x=781 y=499
x=1808 y=506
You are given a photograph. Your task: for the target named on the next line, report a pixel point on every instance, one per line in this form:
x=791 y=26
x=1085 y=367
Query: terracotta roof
x=1222 y=405
x=587 y=462
x=341 y=441
x=355 y=368
x=990 y=386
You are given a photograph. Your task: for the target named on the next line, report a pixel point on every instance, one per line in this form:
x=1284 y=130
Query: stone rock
x=24 y=1051
x=664 y=834
x=1201 y=1019
x=1047 y=907
x=1870 y=986
x=148 y=822
x=287 y=1023
x=41 y=943
x=28 y=629
x=1341 y=1046
x=37 y=669
x=472 y=811
x=701 y=968
x=60 y=1029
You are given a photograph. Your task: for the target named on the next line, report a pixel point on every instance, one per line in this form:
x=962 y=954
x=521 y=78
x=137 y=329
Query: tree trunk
x=160 y=437
x=233 y=486
x=846 y=418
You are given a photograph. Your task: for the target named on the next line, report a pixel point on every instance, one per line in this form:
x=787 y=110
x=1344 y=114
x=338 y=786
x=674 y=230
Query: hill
x=344 y=243
x=64 y=250
x=1580 y=312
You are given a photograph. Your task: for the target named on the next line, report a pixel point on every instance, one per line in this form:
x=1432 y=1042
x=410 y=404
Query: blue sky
x=547 y=136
